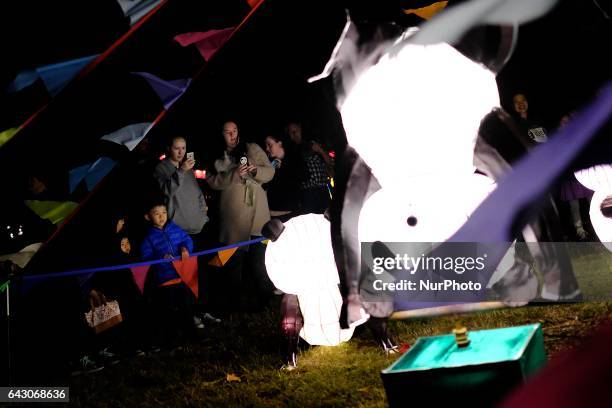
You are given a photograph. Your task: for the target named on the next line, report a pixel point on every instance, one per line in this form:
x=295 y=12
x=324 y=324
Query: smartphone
x=190 y=156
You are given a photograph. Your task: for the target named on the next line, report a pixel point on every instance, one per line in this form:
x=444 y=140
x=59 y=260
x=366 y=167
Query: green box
x=436 y=370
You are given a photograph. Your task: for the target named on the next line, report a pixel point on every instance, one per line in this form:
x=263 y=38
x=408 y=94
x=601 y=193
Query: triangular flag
x=7 y=134
x=168 y=91
x=57 y=76
x=208 y=42
x=253 y=3
x=76 y=175
x=140 y=276
x=222 y=257
x=92 y=173
x=22 y=80
x=188 y=271
x=54 y=211
x=136 y=9
x=428 y=12
x=129 y=135
x=98 y=171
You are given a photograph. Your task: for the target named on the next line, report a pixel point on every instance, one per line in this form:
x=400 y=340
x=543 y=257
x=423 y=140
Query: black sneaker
x=197 y=323
x=108 y=358
x=86 y=366
x=207 y=317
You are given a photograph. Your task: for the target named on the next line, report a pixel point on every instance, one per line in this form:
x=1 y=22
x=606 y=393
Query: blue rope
x=132 y=265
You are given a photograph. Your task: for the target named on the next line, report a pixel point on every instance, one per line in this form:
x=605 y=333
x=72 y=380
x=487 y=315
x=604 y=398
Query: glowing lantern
x=599 y=179
x=301 y=262
x=426 y=117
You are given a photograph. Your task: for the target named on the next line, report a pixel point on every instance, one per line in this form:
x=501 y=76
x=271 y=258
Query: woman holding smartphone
x=241 y=169
x=185 y=201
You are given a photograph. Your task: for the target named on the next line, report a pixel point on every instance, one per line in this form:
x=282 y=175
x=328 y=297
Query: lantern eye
x=412 y=221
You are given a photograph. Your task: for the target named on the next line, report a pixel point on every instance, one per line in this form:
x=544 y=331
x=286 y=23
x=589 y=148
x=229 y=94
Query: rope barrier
x=132 y=265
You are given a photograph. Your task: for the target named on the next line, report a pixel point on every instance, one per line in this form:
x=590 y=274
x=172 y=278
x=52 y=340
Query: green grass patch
x=249 y=347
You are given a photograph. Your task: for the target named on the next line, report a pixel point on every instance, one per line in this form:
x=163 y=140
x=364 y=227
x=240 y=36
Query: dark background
x=257 y=79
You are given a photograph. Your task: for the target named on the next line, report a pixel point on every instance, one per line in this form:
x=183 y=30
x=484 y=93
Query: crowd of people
x=245 y=185
x=177 y=214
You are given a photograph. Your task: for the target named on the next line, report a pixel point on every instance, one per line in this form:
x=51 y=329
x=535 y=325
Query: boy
x=172 y=298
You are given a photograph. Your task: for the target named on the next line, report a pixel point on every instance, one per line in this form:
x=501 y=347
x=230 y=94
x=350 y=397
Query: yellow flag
x=54 y=211
x=7 y=134
x=222 y=257
x=428 y=12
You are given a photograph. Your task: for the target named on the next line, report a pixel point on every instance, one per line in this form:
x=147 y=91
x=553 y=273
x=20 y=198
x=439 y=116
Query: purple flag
x=168 y=91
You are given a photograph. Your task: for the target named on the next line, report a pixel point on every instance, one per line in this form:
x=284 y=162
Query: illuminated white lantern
x=301 y=262
x=302 y=257
x=596 y=178
x=599 y=179
x=417 y=113
x=414 y=118
x=601 y=224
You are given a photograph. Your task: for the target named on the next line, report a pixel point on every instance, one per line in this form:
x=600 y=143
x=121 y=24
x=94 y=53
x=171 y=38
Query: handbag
x=104 y=316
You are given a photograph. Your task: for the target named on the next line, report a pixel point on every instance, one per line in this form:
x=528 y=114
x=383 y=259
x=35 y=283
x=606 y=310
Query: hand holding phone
x=190 y=156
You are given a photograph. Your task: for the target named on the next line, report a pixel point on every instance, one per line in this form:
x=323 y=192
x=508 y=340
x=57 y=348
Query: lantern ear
x=273 y=229
x=492 y=46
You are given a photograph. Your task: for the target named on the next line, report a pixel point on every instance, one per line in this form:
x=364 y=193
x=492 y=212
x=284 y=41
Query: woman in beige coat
x=241 y=171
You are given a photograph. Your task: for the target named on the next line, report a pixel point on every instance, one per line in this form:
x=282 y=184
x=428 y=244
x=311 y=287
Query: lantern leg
x=291 y=324
x=378 y=326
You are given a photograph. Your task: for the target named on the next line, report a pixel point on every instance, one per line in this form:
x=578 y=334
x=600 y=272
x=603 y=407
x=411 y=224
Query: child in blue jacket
x=173 y=301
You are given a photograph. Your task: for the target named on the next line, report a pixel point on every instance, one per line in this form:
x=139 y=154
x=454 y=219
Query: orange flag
x=188 y=271
x=140 y=275
x=222 y=257
x=428 y=11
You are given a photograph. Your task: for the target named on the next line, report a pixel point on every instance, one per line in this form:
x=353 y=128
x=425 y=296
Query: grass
x=248 y=346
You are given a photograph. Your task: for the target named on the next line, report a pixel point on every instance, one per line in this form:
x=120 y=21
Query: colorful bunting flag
x=167 y=91
x=22 y=80
x=92 y=173
x=136 y=9
x=54 y=76
x=428 y=12
x=98 y=171
x=4 y=286
x=130 y=135
x=188 y=271
x=222 y=257
x=54 y=211
x=208 y=42
x=7 y=134
x=140 y=275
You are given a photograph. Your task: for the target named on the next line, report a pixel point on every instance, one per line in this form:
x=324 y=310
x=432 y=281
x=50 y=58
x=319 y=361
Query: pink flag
x=140 y=275
x=208 y=42
x=188 y=271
